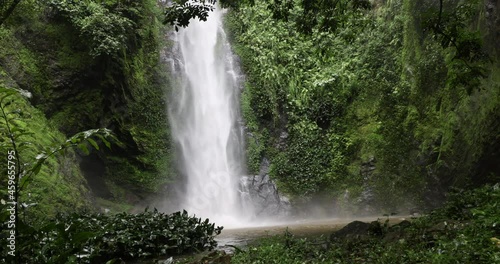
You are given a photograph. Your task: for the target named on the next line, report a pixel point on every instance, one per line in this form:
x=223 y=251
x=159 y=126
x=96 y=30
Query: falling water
x=204 y=116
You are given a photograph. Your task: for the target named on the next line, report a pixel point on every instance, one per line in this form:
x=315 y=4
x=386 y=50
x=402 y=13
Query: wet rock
x=166 y=261
x=402 y=225
x=358 y=230
x=284 y=135
x=282 y=142
x=396 y=232
x=367 y=168
x=366 y=200
x=260 y=193
x=392 y=237
x=375 y=229
x=264 y=167
x=415 y=214
x=445 y=226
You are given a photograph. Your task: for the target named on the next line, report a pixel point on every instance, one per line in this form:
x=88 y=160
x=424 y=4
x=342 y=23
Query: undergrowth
x=101 y=238
x=465 y=230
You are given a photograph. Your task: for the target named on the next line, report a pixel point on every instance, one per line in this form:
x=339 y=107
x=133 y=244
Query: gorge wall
x=371 y=105
x=90 y=65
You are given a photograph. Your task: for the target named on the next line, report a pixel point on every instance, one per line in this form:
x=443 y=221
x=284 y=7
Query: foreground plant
x=99 y=238
x=80 y=237
x=21 y=168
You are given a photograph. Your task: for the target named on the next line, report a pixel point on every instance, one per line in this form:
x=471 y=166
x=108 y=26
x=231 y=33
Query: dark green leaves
x=105 y=28
x=180 y=12
x=324 y=15
x=82 y=140
x=98 y=238
x=449 y=26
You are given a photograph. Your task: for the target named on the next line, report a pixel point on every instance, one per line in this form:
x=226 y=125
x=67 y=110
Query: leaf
x=93 y=143
x=24 y=144
x=50 y=226
x=18 y=135
x=82 y=237
x=26 y=180
x=74 y=139
x=113 y=261
x=36 y=169
x=108 y=145
x=16 y=128
x=83 y=147
x=7 y=94
x=41 y=156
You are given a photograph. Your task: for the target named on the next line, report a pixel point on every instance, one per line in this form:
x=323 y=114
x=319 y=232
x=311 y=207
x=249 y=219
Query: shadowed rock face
x=260 y=192
x=367 y=198
x=492 y=13
x=358 y=230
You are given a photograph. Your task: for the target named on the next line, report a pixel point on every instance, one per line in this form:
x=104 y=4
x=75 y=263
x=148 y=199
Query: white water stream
x=204 y=118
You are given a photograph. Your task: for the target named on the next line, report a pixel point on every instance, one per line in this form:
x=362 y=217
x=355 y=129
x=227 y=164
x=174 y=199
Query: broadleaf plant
x=13 y=128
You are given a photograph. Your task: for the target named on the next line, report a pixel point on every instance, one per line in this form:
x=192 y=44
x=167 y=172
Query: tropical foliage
x=465 y=231
x=93 y=64
x=30 y=151
x=368 y=105
x=406 y=86
x=99 y=238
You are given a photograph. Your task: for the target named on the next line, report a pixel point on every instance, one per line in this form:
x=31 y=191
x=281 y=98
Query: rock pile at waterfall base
x=261 y=193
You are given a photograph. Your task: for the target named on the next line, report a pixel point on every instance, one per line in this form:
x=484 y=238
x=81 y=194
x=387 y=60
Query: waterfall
x=204 y=118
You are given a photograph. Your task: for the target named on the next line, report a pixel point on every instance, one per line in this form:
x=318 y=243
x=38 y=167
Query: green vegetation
x=98 y=238
x=465 y=230
x=373 y=106
x=59 y=184
x=178 y=13
x=410 y=87
x=94 y=64
x=87 y=64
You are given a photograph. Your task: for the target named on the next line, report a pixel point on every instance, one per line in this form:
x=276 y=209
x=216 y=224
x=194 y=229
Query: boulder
x=358 y=230
x=396 y=232
x=261 y=193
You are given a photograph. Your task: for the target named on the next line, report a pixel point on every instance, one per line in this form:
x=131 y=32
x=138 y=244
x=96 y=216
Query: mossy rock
x=60 y=185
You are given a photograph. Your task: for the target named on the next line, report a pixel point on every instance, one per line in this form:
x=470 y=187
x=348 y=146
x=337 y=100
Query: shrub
x=97 y=238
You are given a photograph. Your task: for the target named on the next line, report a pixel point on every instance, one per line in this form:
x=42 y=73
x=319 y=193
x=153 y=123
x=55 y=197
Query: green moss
x=257 y=140
x=59 y=186
x=123 y=91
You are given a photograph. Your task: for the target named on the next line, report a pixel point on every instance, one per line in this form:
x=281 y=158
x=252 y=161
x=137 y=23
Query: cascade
x=204 y=118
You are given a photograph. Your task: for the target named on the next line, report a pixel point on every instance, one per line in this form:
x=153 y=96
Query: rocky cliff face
x=261 y=193
x=492 y=36
x=45 y=52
